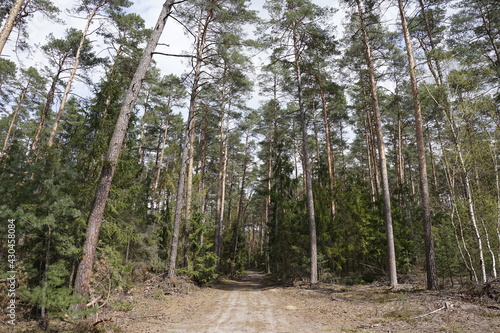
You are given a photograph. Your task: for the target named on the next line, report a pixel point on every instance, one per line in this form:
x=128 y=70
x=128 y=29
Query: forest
x=341 y=144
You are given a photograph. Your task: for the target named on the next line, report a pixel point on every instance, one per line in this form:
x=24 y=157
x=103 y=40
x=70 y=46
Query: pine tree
x=19 y=12
x=95 y=218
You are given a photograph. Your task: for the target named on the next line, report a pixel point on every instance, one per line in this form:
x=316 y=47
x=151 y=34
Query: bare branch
x=175 y=55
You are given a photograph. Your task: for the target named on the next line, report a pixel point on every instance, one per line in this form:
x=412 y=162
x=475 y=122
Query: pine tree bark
x=432 y=281
x=330 y=157
x=307 y=163
x=202 y=34
x=189 y=196
x=10 y=23
x=201 y=187
x=82 y=281
x=391 y=252
x=221 y=181
x=240 y=207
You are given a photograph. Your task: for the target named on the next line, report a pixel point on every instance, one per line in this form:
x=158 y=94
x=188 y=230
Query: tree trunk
x=45 y=281
x=72 y=75
x=142 y=135
x=159 y=161
x=10 y=23
x=46 y=108
x=496 y=168
x=82 y=281
x=391 y=252
x=189 y=196
x=221 y=181
x=240 y=206
x=369 y=160
x=447 y=109
x=329 y=149
x=202 y=33
x=457 y=230
x=202 y=182
x=307 y=164
x=13 y=121
x=432 y=281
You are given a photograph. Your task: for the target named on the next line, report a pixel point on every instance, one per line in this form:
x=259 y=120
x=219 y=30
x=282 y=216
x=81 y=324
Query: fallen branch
x=142 y=317
x=88 y=305
x=447 y=305
x=102 y=321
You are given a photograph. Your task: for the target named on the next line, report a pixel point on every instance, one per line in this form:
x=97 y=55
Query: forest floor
x=255 y=304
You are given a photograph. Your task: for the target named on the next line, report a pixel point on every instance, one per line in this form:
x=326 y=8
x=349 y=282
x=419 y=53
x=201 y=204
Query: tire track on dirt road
x=244 y=305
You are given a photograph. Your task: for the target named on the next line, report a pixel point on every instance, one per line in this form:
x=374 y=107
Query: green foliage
x=54 y=294
x=50 y=191
x=7 y=77
x=204 y=268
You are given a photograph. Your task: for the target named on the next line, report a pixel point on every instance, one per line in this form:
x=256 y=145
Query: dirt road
x=245 y=305
x=252 y=305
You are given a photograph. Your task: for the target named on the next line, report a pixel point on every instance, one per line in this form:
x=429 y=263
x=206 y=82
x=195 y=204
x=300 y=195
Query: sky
x=39 y=28
x=173 y=35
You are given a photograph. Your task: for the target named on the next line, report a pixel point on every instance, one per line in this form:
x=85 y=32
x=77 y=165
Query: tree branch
x=175 y=55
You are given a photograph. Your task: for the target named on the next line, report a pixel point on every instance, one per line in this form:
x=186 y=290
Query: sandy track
x=243 y=306
x=249 y=305
x=232 y=306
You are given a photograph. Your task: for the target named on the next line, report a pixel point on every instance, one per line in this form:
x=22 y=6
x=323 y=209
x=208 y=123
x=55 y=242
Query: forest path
x=253 y=304
x=249 y=304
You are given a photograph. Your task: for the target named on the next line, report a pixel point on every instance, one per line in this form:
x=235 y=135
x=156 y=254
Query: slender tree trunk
x=372 y=145
x=369 y=160
x=432 y=281
x=202 y=182
x=43 y=308
x=107 y=103
x=433 y=167
x=221 y=181
x=46 y=108
x=142 y=136
x=472 y=215
x=496 y=167
x=240 y=206
x=82 y=281
x=159 y=160
x=72 y=75
x=330 y=159
x=307 y=164
x=398 y=149
x=447 y=109
x=458 y=230
x=202 y=33
x=189 y=196
x=10 y=23
x=391 y=252
x=467 y=184
x=13 y=121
